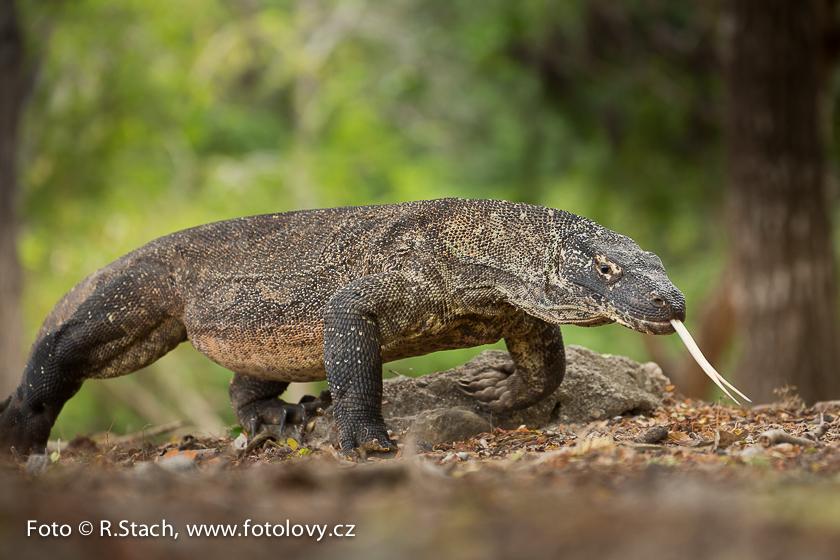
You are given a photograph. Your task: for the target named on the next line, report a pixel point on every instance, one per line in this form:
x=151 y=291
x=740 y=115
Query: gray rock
x=446 y=424
x=596 y=387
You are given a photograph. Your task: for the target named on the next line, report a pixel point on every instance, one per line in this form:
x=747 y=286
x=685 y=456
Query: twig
x=143 y=429
x=160 y=430
x=773 y=437
x=819 y=431
x=264 y=437
x=108 y=433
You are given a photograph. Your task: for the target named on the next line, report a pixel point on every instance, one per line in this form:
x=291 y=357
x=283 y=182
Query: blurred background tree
x=13 y=85
x=780 y=61
x=147 y=117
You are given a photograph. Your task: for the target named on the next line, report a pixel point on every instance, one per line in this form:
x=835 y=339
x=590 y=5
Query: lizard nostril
x=658 y=301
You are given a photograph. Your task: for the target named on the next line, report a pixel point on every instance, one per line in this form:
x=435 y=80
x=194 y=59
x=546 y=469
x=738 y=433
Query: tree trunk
x=12 y=87
x=785 y=288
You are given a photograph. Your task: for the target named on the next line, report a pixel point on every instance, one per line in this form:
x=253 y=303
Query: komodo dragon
x=335 y=293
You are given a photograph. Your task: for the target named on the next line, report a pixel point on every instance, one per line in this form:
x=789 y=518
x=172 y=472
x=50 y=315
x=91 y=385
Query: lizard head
x=601 y=277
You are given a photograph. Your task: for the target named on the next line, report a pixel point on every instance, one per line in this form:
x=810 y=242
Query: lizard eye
x=609 y=271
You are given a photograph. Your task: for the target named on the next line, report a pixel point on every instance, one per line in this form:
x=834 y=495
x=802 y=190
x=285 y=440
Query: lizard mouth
x=647 y=326
x=653 y=314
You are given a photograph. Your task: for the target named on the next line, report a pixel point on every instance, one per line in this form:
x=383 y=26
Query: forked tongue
x=703 y=362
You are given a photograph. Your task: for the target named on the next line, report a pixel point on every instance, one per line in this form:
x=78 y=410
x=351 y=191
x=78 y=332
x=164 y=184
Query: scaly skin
x=334 y=293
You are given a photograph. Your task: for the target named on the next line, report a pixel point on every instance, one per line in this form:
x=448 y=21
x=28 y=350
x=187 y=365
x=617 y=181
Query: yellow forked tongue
x=703 y=362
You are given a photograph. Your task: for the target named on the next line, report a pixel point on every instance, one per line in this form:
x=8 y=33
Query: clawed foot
x=490 y=388
x=366 y=439
x=267 y=418
x=23 y=428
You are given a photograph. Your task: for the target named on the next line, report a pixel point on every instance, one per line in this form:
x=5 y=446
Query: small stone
x=447 y=425
x=652 y=435
x=423 y=447
x=37 y=464
x=240 y=443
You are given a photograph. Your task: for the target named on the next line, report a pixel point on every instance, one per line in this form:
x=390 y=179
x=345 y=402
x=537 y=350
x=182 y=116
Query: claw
x=311 y=402
x=278 y=427
x=271 y=416
x=255 y=424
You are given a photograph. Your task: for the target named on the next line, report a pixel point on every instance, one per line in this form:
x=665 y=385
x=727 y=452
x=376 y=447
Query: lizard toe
x=369 y=439
x=323 y=400
x=276 y=413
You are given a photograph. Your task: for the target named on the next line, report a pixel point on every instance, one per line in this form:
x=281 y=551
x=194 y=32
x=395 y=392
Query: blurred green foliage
x=151 y=116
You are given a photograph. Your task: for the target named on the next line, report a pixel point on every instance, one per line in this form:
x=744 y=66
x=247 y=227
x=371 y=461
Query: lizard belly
x=251 y=324
x=266 y=356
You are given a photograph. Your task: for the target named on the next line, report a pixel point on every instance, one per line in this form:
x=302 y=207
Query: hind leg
x=539 y=364
x=121 y=326
x=257 y=406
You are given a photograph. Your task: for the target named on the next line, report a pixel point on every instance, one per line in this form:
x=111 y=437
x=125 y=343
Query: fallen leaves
x=686 y=436
x=695 y=436
x=503 y=491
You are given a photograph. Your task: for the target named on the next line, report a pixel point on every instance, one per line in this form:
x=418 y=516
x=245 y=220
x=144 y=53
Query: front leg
x=539 y=361
x=358 y=320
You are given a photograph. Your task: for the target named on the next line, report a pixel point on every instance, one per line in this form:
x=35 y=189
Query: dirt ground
x=713 y=488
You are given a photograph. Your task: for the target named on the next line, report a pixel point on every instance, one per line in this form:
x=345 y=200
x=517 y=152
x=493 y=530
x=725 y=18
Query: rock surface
x=446 y=424
x=596 y=387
